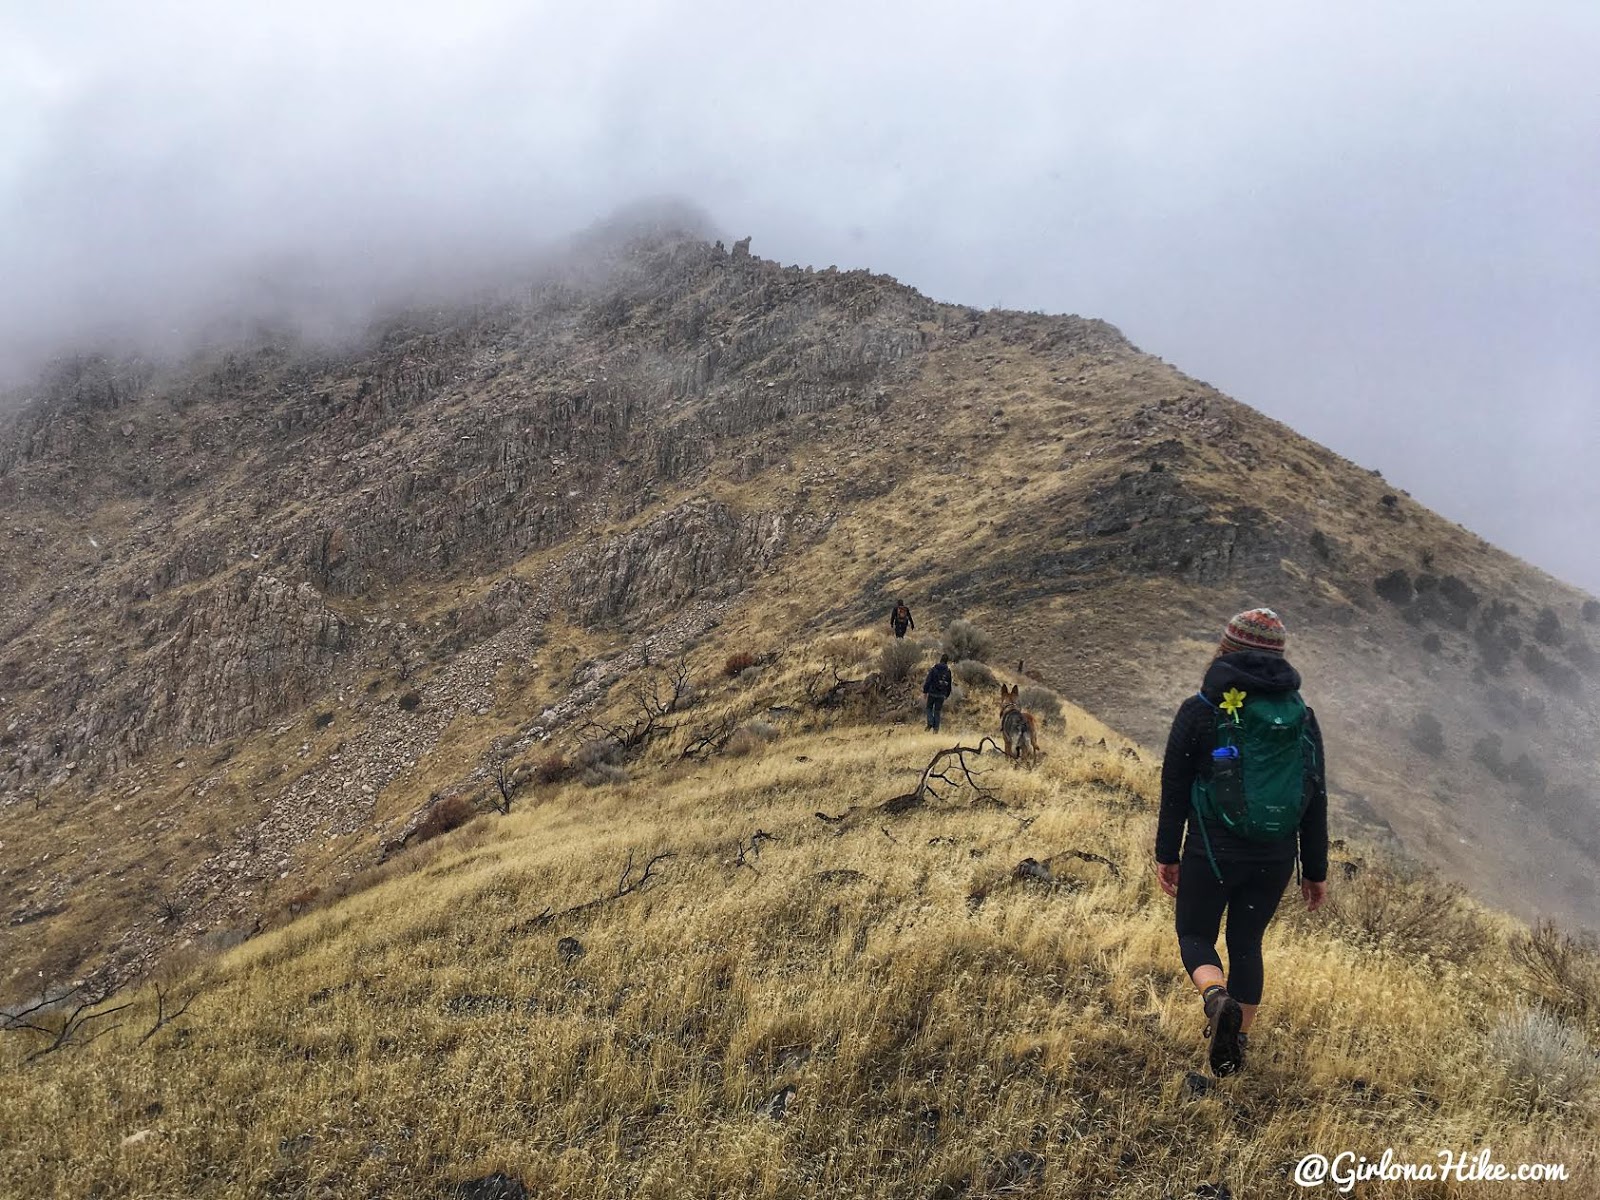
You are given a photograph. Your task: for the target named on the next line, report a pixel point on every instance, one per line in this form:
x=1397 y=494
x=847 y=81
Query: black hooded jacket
x=1189 y=747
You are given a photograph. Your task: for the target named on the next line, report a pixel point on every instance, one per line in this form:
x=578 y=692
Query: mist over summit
x=333 y=295
x=1374 y=227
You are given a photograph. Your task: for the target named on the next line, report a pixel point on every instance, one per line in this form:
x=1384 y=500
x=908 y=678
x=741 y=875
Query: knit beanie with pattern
x=1257 y=629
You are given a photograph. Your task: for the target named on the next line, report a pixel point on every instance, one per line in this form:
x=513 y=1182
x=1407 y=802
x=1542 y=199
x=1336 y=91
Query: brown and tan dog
x=1018 y=728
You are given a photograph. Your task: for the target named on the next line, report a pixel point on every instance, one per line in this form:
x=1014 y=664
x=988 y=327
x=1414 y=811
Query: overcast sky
x=1374 y=220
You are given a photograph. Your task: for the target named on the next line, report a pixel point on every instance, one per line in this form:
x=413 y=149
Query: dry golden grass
x=428 y=1030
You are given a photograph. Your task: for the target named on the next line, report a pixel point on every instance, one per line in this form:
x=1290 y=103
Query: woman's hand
x=1167 y=876
x=1314 y=893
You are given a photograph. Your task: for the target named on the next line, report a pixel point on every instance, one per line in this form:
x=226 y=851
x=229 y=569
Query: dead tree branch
x=711 y=739
x=68 y=1030
x=19 y=1019
x=506 y=782
x=745 y=855
x=627 y=885
x=1088 y=856
x=667 y=691
x=841 y=689
x=950 y=768
x=163 y=1017
x=645 y=876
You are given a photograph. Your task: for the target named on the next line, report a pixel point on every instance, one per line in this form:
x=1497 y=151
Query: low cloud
x=1373 y=222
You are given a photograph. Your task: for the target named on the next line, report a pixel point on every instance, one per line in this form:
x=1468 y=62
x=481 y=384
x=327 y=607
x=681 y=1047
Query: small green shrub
x=898 y=660
x=1459 y=593
x=1582 y=655
x=1563 y=972
x=1557 y=675
x=975 y=674
x=1042 y=703
x=452 y=812
x=1545 y=1064
x=1488 y=752
x=1547 y=628
x=598 y=752
x=1395 y=587
x=1427 y=734
x=963 y=640
x=603 y=773
x=552 y=769
x=1411 y=913
x=599 y=762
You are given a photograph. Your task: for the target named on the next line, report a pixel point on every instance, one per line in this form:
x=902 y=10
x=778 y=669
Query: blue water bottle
x=1227 y=780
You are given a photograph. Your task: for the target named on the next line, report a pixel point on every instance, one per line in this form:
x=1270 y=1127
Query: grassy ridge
x=945 y=1028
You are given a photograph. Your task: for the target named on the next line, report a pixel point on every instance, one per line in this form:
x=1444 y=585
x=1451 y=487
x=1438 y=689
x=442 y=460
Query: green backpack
x=1264 y=768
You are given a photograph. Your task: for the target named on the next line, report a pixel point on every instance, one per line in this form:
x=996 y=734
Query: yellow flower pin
x=1232 y=702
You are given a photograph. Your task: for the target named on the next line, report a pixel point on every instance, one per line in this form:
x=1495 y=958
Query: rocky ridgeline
x=263 y=502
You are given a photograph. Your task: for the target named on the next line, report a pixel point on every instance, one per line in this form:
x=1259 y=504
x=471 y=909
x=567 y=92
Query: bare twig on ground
x=627 y=885
x=745 y=855
x=163 y=1017
x=1088 y=856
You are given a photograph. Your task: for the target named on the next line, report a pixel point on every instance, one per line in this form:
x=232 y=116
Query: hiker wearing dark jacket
x=900 y=619
x=1215 y=869
x=937 y=687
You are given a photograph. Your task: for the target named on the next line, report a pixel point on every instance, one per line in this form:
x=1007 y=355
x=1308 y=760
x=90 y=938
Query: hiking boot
x=1223 y=1015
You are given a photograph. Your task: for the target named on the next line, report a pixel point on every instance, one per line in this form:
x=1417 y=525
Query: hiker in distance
x=900 y=619
x=936 y=687
x=1244 y=772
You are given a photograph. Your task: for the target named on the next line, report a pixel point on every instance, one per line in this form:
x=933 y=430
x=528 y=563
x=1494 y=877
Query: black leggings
x=1250 y=893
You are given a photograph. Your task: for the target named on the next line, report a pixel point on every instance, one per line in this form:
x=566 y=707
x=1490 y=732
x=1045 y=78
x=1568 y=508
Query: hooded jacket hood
x=1249 y=671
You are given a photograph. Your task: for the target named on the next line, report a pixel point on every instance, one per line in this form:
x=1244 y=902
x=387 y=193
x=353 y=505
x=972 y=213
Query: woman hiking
x=1244 y=772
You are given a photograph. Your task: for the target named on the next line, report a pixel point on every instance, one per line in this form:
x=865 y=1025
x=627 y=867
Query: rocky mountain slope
x=259 y=610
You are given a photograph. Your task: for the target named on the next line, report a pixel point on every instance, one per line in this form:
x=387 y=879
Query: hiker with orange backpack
x=1244 y=771
x=900 y=619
